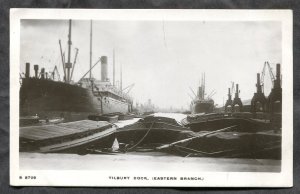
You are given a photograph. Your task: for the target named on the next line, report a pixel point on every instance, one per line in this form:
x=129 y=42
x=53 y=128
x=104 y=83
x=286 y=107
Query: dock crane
x=237 y=100
x=229 y=100
x=259 y=96
x=267 y=65
x=232 y=88
x=275 y=97
x=55 y=71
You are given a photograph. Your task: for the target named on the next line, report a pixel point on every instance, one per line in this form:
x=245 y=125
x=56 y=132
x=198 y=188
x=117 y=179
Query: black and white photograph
x=188 y=98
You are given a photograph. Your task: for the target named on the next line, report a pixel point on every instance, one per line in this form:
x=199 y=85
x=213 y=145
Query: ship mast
x=204 y=85
x=121 y=78
x=62 y=60
x=91 y=46
x=201 y=89
x=114 y=67
x=69 y=64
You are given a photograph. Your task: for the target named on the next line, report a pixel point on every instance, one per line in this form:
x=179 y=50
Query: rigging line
x=90 y=69
x=62 y=59
x=193 y=91
x=142 y=138
x=74 y=63
x=52 y=71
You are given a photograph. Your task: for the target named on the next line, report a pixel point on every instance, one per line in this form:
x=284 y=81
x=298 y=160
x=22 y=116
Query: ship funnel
x=104 y=68
x=36 y=70
x=27 y=71
x=43 y=73
x=200 y=92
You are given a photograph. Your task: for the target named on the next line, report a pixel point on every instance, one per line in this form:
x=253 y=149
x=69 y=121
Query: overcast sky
x=162 y=58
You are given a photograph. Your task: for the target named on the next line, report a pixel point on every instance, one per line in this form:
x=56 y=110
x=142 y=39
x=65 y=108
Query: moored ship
x=46 y=97
x=202 y=104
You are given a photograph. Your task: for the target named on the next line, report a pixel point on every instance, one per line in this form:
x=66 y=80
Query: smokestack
x=104 y=68
x=36 y=70
x=27 y=71
x=43 y=73
x=200 y=92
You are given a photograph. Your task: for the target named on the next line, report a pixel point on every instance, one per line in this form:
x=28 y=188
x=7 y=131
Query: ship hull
x=49 y=99
x=202 y=107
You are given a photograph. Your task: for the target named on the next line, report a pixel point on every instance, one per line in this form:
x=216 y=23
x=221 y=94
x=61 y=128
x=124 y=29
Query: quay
x=156 y=162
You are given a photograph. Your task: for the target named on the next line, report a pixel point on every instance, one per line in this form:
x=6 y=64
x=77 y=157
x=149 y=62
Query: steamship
x=48 y=98
x=202 y=104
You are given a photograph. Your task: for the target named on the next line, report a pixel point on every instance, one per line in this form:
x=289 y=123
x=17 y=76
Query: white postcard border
x=100 y=178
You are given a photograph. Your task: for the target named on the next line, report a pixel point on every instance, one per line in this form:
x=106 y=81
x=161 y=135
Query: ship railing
x=111 y=89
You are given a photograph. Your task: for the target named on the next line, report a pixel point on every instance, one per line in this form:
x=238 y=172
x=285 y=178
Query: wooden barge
x=152 y=131
x=71 y=137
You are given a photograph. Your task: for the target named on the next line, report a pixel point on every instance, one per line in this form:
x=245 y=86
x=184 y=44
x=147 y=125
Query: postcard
x=151 y=98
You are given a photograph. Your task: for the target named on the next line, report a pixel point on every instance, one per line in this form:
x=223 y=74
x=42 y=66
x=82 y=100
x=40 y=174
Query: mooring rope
x=142 y=138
